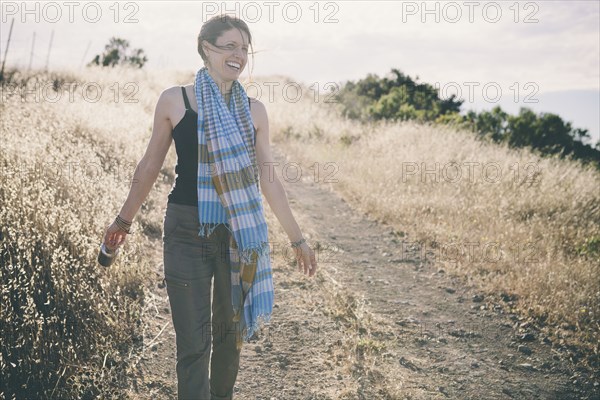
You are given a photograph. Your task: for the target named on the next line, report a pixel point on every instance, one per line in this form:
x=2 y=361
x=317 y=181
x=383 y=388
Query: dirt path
x=378 y=322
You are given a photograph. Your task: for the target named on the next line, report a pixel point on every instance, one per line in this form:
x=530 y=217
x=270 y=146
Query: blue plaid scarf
x=228 y=193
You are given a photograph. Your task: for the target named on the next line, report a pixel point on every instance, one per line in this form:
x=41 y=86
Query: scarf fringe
x=207 y=228
x=261 y=251
x=251 y=330
x=261 y=319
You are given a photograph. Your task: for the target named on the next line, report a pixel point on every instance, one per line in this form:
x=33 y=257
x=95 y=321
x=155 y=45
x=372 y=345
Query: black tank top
x=185 y=135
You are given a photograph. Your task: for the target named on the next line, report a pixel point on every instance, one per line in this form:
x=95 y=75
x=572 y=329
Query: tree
x=492 y=123
x=520 y=128
x=116 y=53
x=579 y=134
x=395 y=96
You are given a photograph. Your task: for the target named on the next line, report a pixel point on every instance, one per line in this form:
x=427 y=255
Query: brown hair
x=213 y=28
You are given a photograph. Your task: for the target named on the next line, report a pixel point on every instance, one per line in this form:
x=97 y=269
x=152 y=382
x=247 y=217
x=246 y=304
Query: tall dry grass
x=69 y=326
x=514 y=225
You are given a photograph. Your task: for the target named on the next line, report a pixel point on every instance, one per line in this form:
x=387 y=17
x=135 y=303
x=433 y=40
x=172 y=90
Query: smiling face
x=227 y=58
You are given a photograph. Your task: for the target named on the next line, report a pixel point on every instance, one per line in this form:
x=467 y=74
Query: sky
x=539 y=54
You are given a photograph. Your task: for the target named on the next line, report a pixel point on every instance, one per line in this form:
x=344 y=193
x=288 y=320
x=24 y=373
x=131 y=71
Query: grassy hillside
x=520 y=227
x=68 y=325
x=523 y=228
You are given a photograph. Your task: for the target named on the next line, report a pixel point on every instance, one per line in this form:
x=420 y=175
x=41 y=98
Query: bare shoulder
x=170 y=103
x=170 y=95
x=259 y=114
x=256 y=103
x=166 y=99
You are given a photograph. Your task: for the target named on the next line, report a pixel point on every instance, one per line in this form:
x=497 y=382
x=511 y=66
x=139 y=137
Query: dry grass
x=360 y=352
x=66 y=170
x=506 y=220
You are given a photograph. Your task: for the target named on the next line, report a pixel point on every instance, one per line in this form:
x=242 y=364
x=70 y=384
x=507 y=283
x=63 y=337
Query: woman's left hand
x=305 y=257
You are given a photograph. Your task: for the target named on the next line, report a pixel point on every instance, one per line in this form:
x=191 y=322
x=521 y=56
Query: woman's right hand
x=305 y=258
x=114 y=236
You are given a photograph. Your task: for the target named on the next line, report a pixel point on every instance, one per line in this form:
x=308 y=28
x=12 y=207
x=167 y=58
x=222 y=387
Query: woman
x=214 y=222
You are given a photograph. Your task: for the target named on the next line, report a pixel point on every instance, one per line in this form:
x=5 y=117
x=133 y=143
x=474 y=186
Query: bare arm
x=274 y=191
x=270 y=184
x=146 y=171
x=149 y=166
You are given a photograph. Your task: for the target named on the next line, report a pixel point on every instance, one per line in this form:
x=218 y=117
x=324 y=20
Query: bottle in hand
x=106 y=256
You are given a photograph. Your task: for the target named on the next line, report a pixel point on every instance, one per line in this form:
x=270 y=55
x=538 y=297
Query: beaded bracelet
x=298 y=243
x=123 y=221
x=123 y=224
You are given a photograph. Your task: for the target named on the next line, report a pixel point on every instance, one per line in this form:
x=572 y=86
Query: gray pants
x=190 y=262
